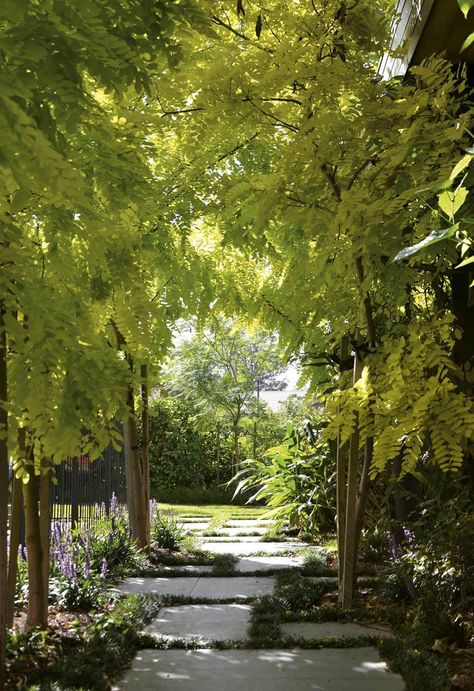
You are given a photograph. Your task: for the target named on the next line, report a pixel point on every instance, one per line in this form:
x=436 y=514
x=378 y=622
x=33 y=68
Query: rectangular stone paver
x=233 y=587
x=194 y=526
x=228 y=539
x=182 y=585
x=245 y=522
x=245 y=547
x=209 y=622
x=248 y=564
x=188 y=568
x=247 y=530
x=355 y=669
x=309 y=630
x=212 y=588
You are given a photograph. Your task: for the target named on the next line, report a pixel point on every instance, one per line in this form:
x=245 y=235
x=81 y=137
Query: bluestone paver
x=212 y=588
x=246 y=522
x=209 y=622
x=244 y=548
x=188 y=568
x=194 y=526
x=182 y=585
x=270 y=563
x=355 y=669
x=246 y=530
x=309 y=630
x=235 y=587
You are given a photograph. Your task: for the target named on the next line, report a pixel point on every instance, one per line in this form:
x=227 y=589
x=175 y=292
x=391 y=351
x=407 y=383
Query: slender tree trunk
x=351 y=503
x=128 y=453
x=45 y=526
x=236 y=449
x=37 y=603
x=15 y=526
x=255 y=424
x=3 y=494
x=137 y=511
x=146 y=448
x=341 y=479
x=364 y=486
x=218 y=453
x=138 y=507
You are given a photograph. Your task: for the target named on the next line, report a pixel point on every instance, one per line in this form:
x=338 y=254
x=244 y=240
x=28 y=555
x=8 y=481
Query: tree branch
x=331 y=178
x=288 y=125
x=239 y=146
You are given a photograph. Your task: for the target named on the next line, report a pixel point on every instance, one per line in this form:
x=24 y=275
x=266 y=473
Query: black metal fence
x=82 y=489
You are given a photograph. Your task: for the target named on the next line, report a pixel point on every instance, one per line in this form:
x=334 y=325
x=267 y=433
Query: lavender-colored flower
x=103 y=568
x=114 y=505
x=87 y=559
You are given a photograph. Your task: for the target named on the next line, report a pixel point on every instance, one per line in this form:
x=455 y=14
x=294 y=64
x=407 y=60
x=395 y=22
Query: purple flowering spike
x=87 y=559
x=103 y=568
x=114 y=504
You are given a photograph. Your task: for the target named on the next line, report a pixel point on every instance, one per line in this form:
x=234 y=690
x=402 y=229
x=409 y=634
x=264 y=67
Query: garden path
x=215 y=623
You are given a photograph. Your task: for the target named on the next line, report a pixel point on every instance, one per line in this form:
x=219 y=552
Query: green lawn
x=216 y=513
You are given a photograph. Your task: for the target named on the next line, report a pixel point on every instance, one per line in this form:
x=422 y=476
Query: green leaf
x=463 y=163
x=451 y=202
x=465 y=262
x=465 y=6
x=431 y=239
x=467 y=42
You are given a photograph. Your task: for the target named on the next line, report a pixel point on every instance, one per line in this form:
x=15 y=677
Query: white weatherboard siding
x=407 y=26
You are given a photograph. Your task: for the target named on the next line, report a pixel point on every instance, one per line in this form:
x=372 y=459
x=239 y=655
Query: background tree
x=220 y=370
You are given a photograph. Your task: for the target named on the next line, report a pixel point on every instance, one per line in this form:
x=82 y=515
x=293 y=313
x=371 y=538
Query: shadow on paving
x=356 y=669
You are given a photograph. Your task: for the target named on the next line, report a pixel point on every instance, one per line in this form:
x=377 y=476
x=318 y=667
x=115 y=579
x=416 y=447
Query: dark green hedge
x=181 y=454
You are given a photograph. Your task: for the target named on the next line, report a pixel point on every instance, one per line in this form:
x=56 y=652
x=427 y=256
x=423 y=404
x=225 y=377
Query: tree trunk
x=218 y=453
x=37 y=603
x=15 y=526
x=3 y=494
x=146 y=448
x=137 y=511
x=45 y=525
x=364 y=486
x=138 y=506
x=351 y=505
x=255 y=424
x=236 y=449
x=341 y=479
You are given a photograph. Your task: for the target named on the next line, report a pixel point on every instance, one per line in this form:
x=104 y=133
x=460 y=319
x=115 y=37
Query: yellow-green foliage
x=408 y=399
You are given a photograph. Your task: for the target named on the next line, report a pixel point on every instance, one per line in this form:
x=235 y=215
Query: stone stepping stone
x=269 y=563
x=181 y=585
x=230 y=540
x=189 y=568
x=308 y=630
x=245 y=548
x=244 y=529
x=354 y=669
x=235 y=587
x=248 y=523
x=194 y=526
x=212 y=588
x=209 y=622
